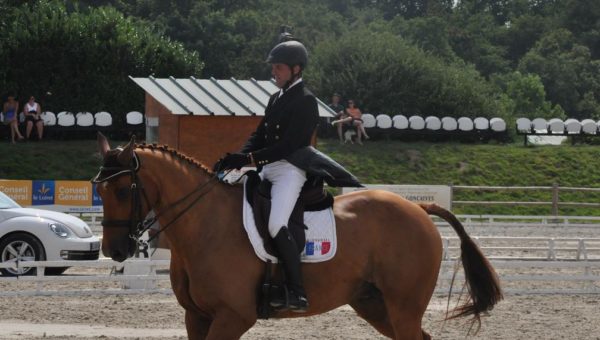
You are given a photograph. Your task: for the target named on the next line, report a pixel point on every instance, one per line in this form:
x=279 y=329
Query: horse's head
x=125 y=199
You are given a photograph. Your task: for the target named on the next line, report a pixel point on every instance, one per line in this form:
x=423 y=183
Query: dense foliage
x=80 y=60
x=503 y=58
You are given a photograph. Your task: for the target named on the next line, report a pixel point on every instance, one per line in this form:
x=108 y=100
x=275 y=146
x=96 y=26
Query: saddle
x=313 y=197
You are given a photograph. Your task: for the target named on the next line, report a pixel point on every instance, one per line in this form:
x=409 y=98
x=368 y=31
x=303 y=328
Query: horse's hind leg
x=369 y=305
x=399 y=323
x=405 y=312
x=197 y=326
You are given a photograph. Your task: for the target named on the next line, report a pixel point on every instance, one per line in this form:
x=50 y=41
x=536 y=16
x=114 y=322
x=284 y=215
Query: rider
x=280 y=148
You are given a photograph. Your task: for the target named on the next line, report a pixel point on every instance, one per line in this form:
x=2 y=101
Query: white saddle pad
x=321 y=241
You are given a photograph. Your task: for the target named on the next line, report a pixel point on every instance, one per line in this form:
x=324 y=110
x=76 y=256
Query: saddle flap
x=258 y=194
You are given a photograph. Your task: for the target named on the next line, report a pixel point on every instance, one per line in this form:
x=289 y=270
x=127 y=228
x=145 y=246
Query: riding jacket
x=288 y=125
x=286 y=131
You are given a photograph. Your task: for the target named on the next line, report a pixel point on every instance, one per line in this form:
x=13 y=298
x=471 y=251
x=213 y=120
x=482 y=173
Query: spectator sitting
x=353 y=116
x=10 y=109
x=340 y=111
x=33 y=111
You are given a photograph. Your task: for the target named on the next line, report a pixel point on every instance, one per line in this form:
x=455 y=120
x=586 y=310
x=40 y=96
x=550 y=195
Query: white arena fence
x=130 y=277
x=94 y=221
x=526 y=265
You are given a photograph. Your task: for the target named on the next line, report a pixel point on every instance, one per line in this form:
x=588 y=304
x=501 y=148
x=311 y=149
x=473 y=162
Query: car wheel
x=22 y=248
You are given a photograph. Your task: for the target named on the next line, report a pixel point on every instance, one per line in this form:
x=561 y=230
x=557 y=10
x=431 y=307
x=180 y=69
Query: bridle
x=137 y=224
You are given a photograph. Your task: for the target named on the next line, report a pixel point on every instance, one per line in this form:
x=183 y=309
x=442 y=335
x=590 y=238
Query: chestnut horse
x=386 y=267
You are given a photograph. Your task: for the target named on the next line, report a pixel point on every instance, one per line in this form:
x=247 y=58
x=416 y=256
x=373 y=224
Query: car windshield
x=6 y=202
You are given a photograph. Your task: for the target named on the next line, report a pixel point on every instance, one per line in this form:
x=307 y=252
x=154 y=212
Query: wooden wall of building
x=206 y=138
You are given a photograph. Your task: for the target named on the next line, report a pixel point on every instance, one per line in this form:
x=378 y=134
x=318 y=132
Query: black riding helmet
x=290 y=53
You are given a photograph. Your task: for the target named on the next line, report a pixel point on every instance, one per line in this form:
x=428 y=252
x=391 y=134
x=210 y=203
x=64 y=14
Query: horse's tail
x=481 y=279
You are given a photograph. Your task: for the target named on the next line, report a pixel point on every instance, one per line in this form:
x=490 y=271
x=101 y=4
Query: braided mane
x=175 y=154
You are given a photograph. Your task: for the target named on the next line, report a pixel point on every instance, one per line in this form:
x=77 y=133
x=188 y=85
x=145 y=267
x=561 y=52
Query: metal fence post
x=555 y=199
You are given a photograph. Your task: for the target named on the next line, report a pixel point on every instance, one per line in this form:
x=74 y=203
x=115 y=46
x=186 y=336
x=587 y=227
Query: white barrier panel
x=439 y=194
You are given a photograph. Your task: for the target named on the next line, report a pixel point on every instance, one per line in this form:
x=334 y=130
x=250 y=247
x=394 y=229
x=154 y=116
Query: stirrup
x=300 y=304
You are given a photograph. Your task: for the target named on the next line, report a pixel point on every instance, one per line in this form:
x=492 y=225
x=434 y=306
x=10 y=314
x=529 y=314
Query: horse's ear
x=126 y=155
x=103 y=145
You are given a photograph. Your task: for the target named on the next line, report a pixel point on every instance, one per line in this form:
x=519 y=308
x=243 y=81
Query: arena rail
x=94 y=220
x=574 y=262
x=129 y=277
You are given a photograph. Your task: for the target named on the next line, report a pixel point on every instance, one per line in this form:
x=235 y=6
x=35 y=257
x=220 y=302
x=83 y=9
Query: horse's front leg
x=229 y=325
x=197 y=325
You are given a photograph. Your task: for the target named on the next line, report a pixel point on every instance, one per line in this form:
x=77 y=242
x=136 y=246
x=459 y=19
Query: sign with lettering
x=19 y=191
x=65 y=196
x=77 y=193
x=439 y=194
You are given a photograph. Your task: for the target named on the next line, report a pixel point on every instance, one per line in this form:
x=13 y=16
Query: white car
x=37 y=235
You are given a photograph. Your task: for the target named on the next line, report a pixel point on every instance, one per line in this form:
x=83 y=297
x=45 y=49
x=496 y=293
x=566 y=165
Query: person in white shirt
x=33 y=118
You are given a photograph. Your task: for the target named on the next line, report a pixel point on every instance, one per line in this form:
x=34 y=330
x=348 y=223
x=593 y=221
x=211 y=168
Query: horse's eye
x=122 y=193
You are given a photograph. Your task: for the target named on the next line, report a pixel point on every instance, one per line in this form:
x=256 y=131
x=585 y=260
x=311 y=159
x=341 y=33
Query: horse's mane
x=176 y=154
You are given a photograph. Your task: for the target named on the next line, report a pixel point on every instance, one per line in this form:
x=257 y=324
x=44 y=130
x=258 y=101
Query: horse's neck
x=208 y=219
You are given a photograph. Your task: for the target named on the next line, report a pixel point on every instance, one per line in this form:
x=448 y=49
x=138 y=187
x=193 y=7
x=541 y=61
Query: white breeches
x=287 y=180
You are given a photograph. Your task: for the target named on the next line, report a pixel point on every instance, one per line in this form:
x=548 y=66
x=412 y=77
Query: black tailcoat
x=286 y=131
x=287 y=126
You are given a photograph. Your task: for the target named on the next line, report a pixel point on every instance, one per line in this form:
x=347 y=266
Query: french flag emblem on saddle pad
x=321 y=242
x=319 y=247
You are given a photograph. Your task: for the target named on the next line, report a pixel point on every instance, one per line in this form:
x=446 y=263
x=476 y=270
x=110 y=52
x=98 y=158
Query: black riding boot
x=290 y=256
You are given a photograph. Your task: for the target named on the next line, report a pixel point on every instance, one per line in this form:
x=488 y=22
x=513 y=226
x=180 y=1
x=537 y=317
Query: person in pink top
x=353 y=115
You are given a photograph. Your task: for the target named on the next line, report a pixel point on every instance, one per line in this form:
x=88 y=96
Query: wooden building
x=204 y=118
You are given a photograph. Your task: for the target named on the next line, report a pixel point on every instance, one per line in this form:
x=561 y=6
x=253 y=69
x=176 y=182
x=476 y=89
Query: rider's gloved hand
x=235 y=161
x=219 y=165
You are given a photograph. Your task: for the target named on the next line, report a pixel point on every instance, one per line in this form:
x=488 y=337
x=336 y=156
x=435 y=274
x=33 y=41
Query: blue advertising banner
x=96 y=200
x=42 y=193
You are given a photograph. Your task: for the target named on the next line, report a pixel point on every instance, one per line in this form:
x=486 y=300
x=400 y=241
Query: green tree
x=386 y=74
x=476 y=39
x=526 y=96
x=429 y=33
x=569 y=74
x=81 y=60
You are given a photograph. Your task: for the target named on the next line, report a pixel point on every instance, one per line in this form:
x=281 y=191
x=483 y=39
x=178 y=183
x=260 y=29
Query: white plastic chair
x=481 y=123
x=433 y=123
x=368 y=120
x=556 y=125
x=573 y=126
x=449 y=124
x=524 y=125
x=103 y=119
x=400 y=122
x=416 y=122
x=589 y=127
x=48 y=118
x=465 y=124
x=540 y=125
x=84 y=119
x=65 y=119
x=134 y=118
x=384 y=121
x=497 y=124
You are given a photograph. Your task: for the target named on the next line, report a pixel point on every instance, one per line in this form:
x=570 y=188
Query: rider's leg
x=287 y=182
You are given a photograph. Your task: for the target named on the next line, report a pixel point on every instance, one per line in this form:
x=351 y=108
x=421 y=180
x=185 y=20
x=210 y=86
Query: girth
x=313 y=197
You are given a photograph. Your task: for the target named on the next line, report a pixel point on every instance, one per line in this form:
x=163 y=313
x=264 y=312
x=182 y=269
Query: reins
x=136 y=224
